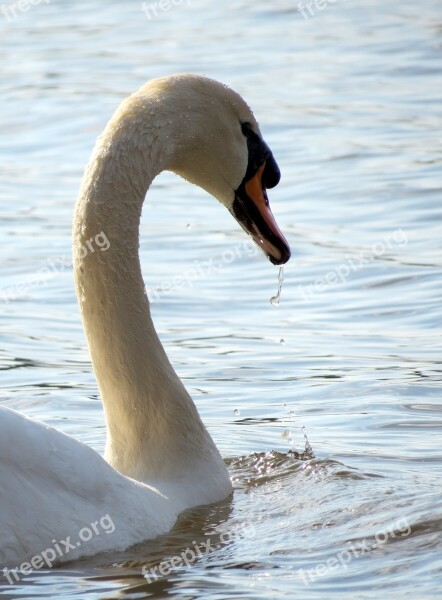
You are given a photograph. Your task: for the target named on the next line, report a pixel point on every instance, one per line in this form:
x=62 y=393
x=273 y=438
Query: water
x=277 y=298
x=349 y=101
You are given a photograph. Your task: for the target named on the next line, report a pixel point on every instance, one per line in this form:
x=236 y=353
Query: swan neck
x=151 y=420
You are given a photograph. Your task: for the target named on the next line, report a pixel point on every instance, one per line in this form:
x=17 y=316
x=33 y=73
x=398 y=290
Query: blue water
x=349 y=99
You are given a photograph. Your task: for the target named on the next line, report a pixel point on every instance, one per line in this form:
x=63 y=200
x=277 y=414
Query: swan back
x=53 y=486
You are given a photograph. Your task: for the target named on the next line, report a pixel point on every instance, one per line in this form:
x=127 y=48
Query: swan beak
x=251 y=208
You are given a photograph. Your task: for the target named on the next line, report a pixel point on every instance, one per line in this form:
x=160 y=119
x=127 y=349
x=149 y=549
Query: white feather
x=160 y=457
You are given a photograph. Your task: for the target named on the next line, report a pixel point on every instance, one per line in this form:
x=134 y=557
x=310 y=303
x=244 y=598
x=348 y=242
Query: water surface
x=349 y=100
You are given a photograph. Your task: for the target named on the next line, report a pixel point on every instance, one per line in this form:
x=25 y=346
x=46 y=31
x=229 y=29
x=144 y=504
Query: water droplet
x=275 y=299
x=282 y=341
x=188 y=226
x=236 y=412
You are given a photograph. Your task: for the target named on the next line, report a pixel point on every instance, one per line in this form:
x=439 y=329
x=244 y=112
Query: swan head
x=215 y=142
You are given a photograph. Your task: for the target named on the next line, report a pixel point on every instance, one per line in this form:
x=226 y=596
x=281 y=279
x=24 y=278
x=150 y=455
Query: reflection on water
x=349 y=101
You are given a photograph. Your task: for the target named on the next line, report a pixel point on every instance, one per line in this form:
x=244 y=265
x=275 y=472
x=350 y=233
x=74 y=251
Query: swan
x=56 y=493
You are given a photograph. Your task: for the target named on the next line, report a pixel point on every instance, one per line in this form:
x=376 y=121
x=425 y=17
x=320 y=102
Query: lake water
x=349 y=98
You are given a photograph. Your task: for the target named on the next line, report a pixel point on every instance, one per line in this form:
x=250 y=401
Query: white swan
x=159 y=457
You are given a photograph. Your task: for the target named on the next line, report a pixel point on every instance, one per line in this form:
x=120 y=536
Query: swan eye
x=246 y=128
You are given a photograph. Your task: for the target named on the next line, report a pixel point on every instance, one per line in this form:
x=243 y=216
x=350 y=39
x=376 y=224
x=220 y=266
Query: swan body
x=159 y=457
x=53 y=486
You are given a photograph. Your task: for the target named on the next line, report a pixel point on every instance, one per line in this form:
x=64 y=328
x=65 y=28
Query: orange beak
x=252 y=210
